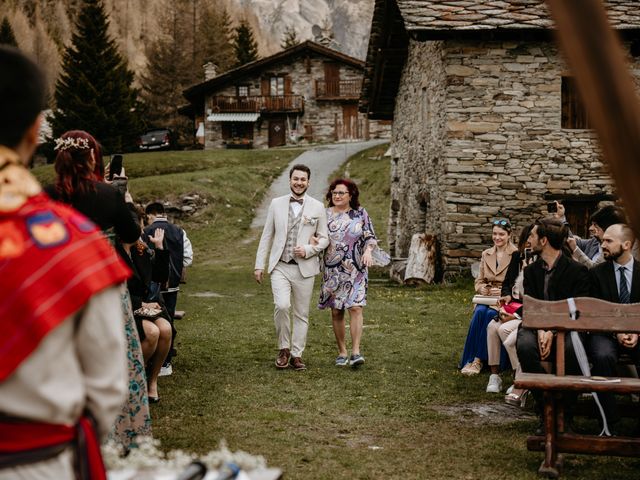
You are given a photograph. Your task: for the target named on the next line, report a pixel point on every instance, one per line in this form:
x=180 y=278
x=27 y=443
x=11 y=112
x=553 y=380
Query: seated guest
x=553 y=276
x=151 y=317
x=493 y=268
x=589 y=251
x=616 y=280
x=503 y=329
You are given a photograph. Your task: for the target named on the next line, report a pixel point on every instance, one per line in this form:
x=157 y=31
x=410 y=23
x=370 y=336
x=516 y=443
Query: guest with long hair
x=78 y=158
x=493 y=268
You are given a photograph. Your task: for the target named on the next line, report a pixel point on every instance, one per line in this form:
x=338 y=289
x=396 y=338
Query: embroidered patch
x=47 y=230
x=12 y=242
x=82 y=223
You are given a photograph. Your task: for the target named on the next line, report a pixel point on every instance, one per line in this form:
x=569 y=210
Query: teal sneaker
x=356 y=360
x=341 y=361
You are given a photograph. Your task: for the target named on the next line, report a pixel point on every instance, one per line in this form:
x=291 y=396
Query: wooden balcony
x=338 y=90
x=257 y=103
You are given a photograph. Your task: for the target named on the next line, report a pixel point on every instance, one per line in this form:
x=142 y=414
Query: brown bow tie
x=297 y=200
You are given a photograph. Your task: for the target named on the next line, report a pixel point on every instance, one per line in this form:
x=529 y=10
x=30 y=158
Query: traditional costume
x=62 y=348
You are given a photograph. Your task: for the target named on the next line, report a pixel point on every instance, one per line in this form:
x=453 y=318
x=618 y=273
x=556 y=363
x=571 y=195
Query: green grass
x=385 y=420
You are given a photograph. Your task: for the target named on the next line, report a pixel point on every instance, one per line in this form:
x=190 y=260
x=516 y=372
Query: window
x=242 y=90
x=276 y=86
x=574 y=114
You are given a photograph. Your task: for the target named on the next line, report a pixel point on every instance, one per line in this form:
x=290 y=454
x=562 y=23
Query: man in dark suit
x=554 y=276
x=616 y=280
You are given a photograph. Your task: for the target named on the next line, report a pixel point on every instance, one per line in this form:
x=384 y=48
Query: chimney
x=210 y=70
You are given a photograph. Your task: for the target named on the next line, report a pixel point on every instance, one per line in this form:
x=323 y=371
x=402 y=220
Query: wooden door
x=332 y=79
x=350 y=121
x=277 y=132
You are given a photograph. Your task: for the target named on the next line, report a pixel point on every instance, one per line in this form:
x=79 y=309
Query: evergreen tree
x=6 y=33
x=289 y=38
x=94 y=91
x=169 y=72
x=215 y=39
x=245 y=45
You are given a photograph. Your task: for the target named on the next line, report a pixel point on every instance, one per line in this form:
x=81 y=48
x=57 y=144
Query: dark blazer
x=605 y=287
x=570 y=279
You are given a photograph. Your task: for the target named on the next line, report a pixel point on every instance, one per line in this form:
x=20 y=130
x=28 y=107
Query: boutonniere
x=309 y=220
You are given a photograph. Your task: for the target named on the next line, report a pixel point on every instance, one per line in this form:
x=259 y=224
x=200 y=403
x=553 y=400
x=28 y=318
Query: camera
x=552 y=207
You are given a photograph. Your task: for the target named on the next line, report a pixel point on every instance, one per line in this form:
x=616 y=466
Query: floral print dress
x=345 y=278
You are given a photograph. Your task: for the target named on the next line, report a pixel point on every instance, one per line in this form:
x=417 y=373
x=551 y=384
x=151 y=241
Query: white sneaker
x=495 y=383
x=166 y=371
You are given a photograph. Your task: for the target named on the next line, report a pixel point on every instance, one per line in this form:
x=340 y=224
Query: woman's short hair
x=354 y=193
x=74 y=171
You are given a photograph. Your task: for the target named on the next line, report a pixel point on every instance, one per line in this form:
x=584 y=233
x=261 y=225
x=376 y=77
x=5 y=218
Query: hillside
x=42 y=26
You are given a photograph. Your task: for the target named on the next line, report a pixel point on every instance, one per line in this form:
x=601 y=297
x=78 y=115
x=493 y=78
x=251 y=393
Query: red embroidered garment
x=52 y=260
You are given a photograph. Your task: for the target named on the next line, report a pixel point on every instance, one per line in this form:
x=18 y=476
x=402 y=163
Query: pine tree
x=6 y=33
x=215 y=38
x=245 y=45
x=94 y=91
x=289 y=38
x=169 y=71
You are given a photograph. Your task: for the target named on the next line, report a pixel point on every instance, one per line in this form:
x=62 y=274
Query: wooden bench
x=594 y=316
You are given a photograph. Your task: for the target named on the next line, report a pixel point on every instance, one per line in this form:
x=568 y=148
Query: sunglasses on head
x=503 y=223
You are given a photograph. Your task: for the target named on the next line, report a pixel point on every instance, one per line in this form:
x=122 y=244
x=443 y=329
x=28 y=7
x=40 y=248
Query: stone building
x=486 y=119
x=306 y=93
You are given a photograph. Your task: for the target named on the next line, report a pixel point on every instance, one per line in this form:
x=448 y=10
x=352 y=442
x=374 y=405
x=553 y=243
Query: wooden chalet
x=306 y=93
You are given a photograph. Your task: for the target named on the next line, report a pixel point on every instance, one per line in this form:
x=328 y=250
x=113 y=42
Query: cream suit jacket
x=313 y=221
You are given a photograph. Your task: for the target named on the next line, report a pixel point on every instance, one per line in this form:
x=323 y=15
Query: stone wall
x=320 y=115
x=418 y=139
x=499 y=151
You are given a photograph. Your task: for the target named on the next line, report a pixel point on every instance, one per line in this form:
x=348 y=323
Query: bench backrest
x=594 y=315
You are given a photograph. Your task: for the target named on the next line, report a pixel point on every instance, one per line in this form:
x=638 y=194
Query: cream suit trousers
x=291 y=289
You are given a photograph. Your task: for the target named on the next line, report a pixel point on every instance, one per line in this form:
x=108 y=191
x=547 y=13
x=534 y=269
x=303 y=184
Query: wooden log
x=421 y=263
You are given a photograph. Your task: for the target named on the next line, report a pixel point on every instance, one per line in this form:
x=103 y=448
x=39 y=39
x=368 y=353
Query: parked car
x=158 y=139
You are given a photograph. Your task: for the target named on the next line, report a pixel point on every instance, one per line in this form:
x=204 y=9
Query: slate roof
x=437 y=15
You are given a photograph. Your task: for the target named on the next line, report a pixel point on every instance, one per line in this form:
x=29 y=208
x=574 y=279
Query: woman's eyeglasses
x=339 y=194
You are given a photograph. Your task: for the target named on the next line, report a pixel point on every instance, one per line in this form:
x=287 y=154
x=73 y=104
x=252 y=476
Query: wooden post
x=596 y=58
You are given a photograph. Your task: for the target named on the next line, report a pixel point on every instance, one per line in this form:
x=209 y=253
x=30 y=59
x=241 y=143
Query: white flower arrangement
x=309 y=220
x=148 y=456
x=63 y=144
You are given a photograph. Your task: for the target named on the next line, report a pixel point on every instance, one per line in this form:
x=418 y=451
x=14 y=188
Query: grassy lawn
x=406 y=414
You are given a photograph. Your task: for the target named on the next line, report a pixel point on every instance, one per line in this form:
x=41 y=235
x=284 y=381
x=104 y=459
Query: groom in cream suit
x=293 y=262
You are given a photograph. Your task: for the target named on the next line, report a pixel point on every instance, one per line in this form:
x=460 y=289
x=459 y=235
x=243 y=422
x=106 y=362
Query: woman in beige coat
x=493 y=268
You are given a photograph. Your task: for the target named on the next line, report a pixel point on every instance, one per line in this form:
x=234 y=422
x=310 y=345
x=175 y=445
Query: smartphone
x=527 y=254
x=115 y=166
x=552 y=207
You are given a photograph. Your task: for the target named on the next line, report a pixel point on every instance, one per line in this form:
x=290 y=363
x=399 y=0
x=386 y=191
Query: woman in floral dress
x=346 y=262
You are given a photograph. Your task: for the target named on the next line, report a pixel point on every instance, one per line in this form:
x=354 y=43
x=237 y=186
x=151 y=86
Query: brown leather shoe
x=296 y=363
x=282 y=360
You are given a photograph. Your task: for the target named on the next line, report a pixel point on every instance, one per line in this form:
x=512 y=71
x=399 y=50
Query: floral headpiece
x=63 y=144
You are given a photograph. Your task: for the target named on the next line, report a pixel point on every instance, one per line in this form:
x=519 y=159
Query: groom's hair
x=302 y=168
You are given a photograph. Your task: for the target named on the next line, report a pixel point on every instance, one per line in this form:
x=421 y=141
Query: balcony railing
x=258 y=103
x=338 y=89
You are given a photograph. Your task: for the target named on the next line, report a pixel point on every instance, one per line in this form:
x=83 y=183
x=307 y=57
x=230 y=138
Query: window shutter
x=265 y=86
x=287 y=85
